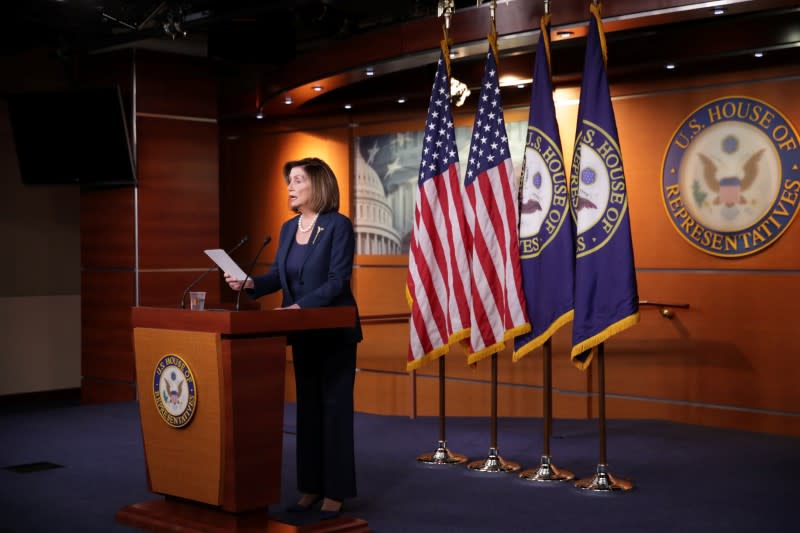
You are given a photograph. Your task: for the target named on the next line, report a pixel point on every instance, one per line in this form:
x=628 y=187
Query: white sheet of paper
x=225 y=263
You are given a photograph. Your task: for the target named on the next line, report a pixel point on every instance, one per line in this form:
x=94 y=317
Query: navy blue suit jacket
x=326 y=270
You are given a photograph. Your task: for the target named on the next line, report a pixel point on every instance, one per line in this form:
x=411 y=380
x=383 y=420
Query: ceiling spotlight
x=563 y=34
x=317 y=88
x=670 y=66
x=758 y=54
x=348 y=106
x=453 y=55
x=260 y=114
x=172 y=24
x=287 y=100
x=178 y=27
x=369 y=72
x=401 y=100
x=719 y=11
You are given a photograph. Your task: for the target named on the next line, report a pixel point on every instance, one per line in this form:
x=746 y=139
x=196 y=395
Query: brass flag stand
x=442 y=456
x=602 y=480
x=547 y=471
x=494 y=463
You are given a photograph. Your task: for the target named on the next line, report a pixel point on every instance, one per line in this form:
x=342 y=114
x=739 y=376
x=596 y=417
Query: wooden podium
x=218 y=461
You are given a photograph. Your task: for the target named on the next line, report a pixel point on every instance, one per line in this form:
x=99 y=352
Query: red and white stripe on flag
x=438 y=265
x=497 y=300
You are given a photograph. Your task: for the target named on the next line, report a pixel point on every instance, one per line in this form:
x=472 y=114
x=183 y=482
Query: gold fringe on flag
x=587 y=344
x=528 y=347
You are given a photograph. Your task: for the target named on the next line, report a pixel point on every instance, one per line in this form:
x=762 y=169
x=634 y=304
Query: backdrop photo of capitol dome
x=387 y=170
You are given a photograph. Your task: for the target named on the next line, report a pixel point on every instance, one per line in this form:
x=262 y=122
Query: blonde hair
x=324 y=187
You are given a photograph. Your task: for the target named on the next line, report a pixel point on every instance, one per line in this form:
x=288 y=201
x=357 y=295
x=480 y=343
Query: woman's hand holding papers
x=236 y=284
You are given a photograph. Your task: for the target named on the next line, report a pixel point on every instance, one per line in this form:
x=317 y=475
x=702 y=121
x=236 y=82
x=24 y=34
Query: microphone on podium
x=249 y=270
x=182 y=303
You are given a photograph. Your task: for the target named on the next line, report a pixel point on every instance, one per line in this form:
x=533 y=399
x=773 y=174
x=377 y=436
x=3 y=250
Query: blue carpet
x=687 y=478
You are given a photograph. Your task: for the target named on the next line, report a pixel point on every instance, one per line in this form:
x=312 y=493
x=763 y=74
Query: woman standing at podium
x=313 y=266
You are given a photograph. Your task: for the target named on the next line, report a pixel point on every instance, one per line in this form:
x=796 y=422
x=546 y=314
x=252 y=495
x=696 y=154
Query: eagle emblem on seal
x=174 y=390
x=730 y=187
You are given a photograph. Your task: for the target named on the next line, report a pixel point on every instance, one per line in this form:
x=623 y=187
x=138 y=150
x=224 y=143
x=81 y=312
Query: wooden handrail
x=663 y=304
x=666 y=312
x=385 y=319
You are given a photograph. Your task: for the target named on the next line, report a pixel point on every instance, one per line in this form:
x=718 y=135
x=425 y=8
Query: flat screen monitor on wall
x=72 y=137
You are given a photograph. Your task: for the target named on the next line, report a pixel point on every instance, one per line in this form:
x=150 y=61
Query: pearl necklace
x=300 y=225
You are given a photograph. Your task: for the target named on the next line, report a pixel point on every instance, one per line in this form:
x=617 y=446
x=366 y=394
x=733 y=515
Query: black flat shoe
x=327 y=514
x=299 y=508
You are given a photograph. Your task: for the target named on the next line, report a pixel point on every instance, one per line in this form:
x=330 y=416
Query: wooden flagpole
x=493 y=462
x=602 y=481
x=441 y=455
x=547 y=471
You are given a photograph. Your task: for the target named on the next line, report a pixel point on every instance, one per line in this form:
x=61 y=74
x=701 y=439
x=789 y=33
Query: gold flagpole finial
x=544 y=29
x=492 y=8
x=445 y=9
x=492 y=26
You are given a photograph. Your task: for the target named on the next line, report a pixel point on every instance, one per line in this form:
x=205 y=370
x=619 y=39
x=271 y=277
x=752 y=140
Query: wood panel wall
x=108 y=261
x=725 y=361
x=144 y=245
x=253 y=195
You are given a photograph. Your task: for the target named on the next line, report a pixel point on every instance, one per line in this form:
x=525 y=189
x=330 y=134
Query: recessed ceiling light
x=370 y=71
x=317 y=88
x=348 y=106
x=453 y=55
x=287 y=100
x=401 y=100
x=564 y=34
x=260 y=115
x=758 y=54
x=520 y=85
x=670 y=66
x=719 y=11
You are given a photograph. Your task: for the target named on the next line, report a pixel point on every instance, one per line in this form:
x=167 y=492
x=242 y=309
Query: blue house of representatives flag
x=606 y=298
x=546 y=240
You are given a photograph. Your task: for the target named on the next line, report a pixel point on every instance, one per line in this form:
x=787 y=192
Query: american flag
x=498 y=303
x=438 y=268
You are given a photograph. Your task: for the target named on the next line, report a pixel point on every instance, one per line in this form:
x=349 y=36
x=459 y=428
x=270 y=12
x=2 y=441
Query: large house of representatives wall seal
x=731 y=176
